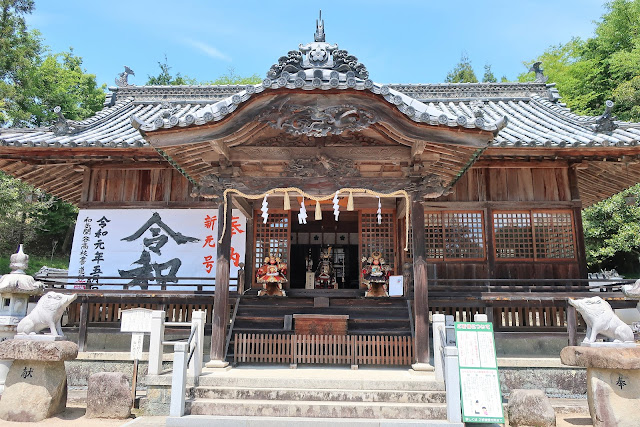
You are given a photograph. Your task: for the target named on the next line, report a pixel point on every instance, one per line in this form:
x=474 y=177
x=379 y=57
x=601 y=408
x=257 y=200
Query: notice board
x=479 y=381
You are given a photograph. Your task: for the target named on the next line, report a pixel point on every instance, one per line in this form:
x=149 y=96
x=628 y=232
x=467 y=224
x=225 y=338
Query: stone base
x=613 y=396
x=34 y=390
x=422 y=367
x=601 y=344
x=109 y=396
x=220 y=364
x=40 y=337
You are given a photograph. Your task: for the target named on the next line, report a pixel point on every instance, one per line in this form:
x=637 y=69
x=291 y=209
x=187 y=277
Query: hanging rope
x=304 y=194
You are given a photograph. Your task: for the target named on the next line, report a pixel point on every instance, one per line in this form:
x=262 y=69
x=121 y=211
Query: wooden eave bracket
x=221 y=148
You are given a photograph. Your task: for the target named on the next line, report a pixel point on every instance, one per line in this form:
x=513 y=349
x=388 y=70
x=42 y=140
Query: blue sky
x=399 y=42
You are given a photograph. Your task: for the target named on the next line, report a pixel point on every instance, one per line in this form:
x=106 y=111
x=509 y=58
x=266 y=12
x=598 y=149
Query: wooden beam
x=241 y=204
x=417 y=149
x=221 y=148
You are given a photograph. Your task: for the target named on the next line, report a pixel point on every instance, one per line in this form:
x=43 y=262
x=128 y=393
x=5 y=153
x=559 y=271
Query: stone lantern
x=15 y=289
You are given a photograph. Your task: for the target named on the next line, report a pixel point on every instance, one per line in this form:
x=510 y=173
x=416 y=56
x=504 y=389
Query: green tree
x=605 y=66
x=19 y=49
x=57 y=80
x=462 y=72
x=22 y=209
x=164 y=78
x=231 y=78
x=488 y=76
x=612 y=232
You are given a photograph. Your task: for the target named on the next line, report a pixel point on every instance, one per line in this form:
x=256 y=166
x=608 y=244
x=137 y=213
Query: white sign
x=152 y=247
x=136 y=320
x=396 y=287
x=137 y=340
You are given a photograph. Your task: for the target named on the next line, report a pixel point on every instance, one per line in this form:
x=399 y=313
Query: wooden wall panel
x=128 y=186
x=511 y=184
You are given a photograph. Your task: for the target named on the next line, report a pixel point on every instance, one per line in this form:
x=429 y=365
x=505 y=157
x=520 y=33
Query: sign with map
x=479 y=380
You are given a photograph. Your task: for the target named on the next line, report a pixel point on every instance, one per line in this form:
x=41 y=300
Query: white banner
x=150 y=247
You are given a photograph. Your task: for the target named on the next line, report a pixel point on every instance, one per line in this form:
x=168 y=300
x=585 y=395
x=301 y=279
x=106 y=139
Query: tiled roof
x=534 y=115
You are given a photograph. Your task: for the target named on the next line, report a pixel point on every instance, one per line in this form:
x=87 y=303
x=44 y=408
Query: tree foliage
x=462 y=72
x=488 y=76
x=33 y=80
x=612 y=231
x=605 y=66
x=230 y=78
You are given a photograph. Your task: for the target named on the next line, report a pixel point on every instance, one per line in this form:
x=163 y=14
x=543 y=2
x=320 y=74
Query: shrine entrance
x=310 y=241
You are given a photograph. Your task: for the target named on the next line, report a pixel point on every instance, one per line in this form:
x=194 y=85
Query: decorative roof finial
x=319 y=35
x=606 y=122
x=121 y=81
x=540 y=77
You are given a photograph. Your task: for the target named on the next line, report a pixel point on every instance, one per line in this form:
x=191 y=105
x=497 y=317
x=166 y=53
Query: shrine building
x=467 y=196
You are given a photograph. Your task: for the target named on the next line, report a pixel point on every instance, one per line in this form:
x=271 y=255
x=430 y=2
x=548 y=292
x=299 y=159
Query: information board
x=479 y=380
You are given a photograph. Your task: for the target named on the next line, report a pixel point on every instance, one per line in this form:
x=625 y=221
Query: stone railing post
x=439 y=334
x=452 y=382
x=197 y=323
x=179 y=379
x=479 y=317
x=155 y=342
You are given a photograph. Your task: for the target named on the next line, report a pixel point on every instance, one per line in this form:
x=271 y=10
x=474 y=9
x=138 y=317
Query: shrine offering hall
x=322 y=192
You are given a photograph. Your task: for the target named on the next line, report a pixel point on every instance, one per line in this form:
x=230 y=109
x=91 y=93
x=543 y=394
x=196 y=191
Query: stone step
x=314 y=409
x=247 y=421
x=347 y=382
x=326 y=395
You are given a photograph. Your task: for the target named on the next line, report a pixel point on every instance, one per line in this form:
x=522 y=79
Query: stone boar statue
x=46 y=314
x=601 y=319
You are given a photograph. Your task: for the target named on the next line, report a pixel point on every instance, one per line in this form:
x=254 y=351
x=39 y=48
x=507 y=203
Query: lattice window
x=534 y=235
x=513 y=235
x=378 y=237
x=454 y=235
x=272 y=238
x=554 y=234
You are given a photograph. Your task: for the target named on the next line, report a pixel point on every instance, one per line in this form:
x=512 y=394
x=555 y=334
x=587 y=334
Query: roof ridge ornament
x=606 y=122
x=319 y=35
x=540 y=77
x=121 y=81
x=317 y=55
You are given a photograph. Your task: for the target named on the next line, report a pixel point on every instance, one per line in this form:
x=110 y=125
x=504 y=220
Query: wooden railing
x=324 y=349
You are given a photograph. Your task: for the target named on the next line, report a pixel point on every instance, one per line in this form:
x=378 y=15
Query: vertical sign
x=479 y=380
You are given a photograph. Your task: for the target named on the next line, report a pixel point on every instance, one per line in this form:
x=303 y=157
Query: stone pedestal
x=613 y=383
x=36 y=385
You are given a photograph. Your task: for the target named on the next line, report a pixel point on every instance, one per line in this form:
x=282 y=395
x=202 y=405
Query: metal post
x=155 y=342
x=438 y=335
x=197 y=323
x=452 y=382
x=179 y=379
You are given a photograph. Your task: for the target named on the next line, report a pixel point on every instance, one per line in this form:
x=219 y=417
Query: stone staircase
x=393 y=394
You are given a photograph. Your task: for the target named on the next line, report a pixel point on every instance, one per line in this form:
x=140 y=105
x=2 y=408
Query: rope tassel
x=318 y=211
x=350 y=201
x=287 y=202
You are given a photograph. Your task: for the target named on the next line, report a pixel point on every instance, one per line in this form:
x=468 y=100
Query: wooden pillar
x=220 y=317
x=577 y=216
x=82 y=327
x=248 y=257
x=420 y=287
